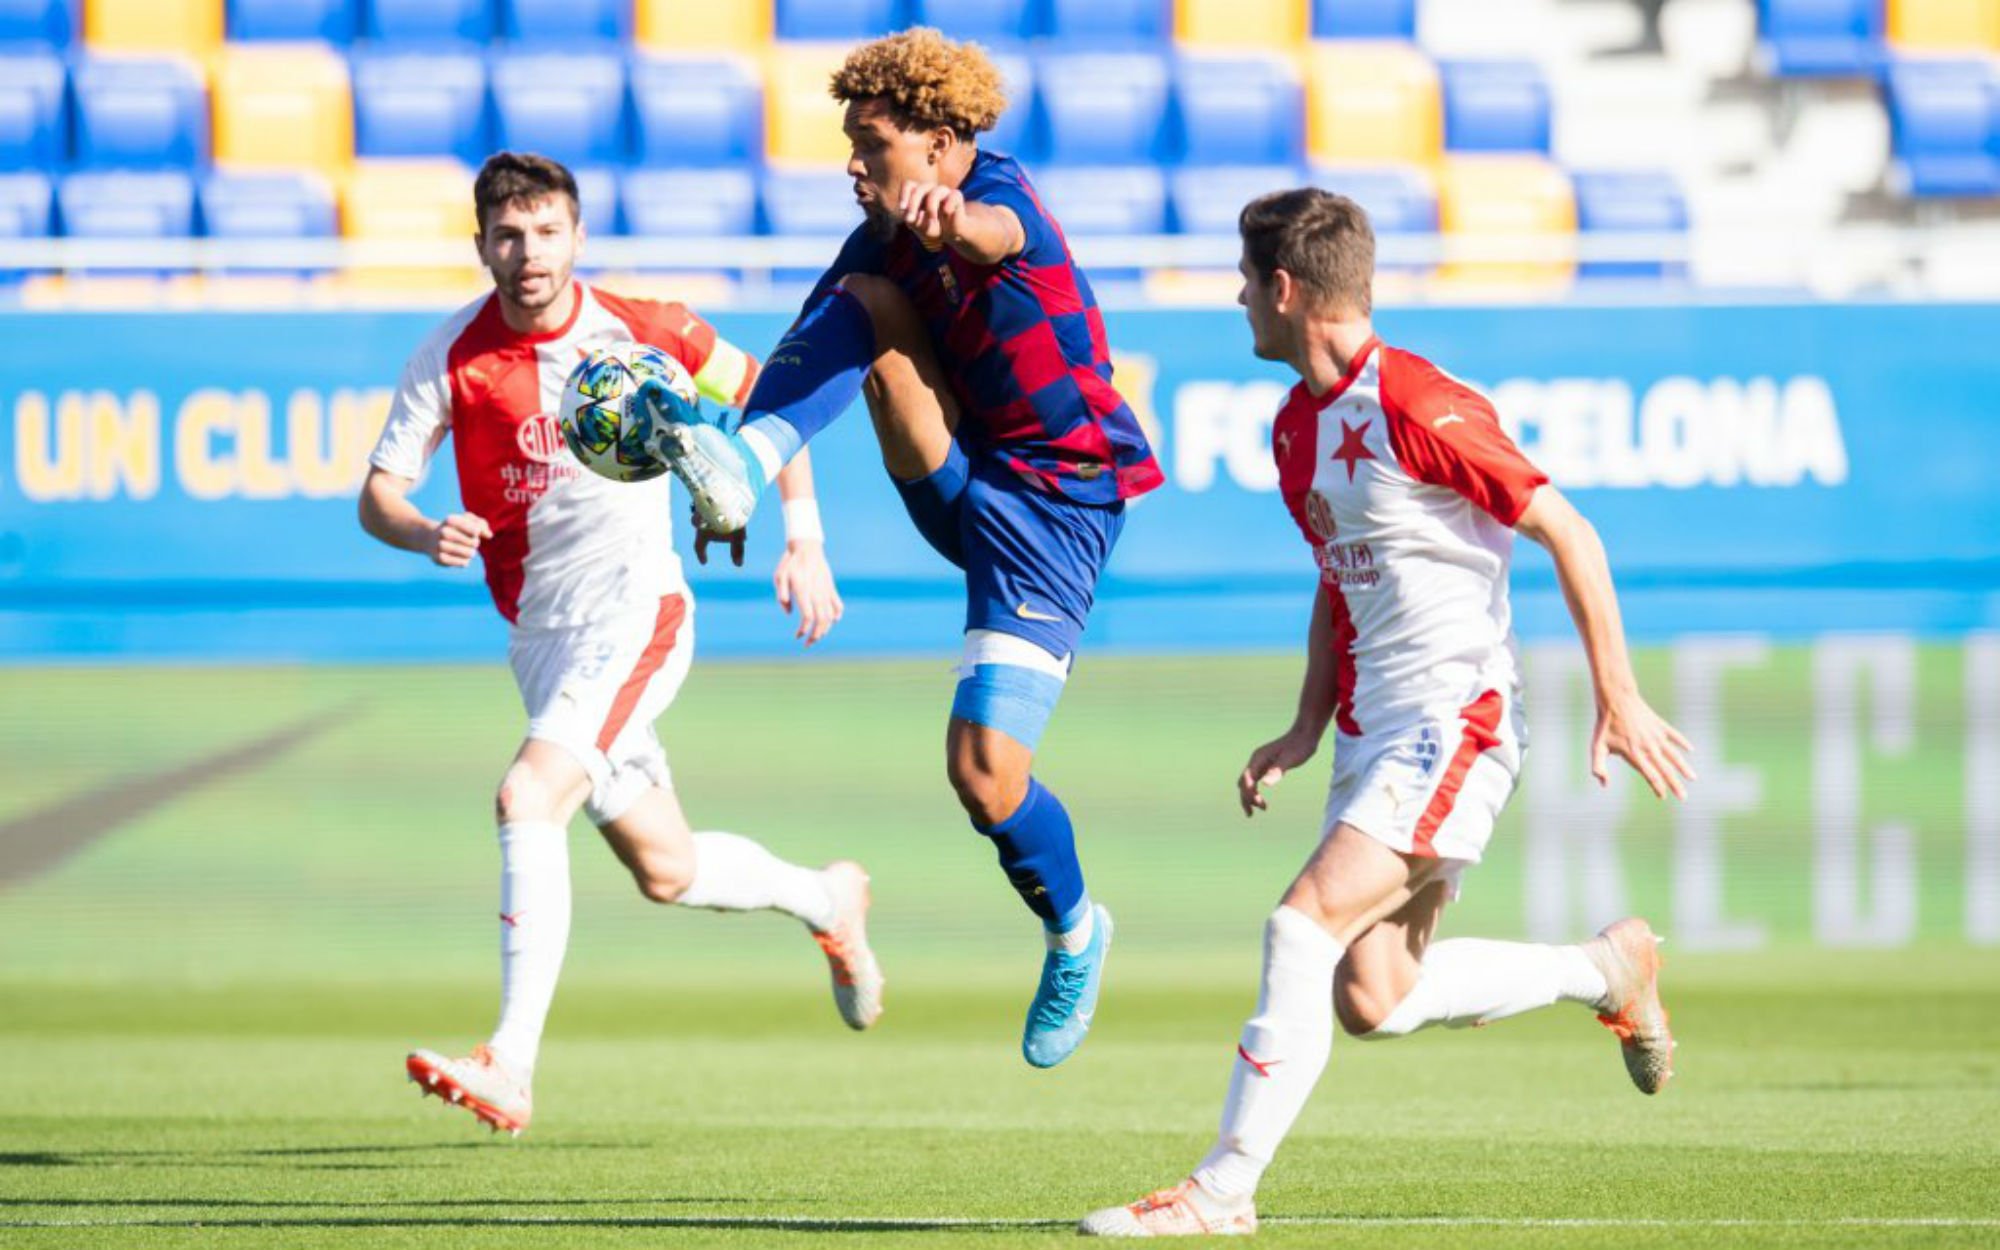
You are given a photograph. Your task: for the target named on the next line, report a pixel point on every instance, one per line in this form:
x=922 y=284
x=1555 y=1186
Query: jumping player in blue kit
x=956 y=309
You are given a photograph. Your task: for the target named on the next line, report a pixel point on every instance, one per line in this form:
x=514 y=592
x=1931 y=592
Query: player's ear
x=1284 y=291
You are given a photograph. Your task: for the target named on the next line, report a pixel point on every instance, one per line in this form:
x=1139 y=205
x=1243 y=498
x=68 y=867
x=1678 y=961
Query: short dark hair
x=1322 y=239
x=521 y=178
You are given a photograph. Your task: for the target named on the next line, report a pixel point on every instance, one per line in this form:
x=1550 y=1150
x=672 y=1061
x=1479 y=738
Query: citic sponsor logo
x=540 y=438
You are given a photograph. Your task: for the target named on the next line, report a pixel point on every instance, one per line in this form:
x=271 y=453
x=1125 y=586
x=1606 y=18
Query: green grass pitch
x=209 y=980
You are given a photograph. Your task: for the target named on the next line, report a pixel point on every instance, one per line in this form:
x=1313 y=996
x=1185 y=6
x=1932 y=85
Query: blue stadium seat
x=411 y=101
x=1019 y=132
x=597 y=190
x=124 y=205
x=1399 y=199
x=1495 y=106
x=52 y=22
x=1364 y=19
x=27 y=211
x=1103 y=108
x=1239 y=111
x=1823 y=37
x=989 y=22
x=428 y=21
x=810 y=202
x=34 y=125
x=834 y=19
x=140 y=113
x=567 y=105
x=1208 y=199
x=1085 y=200
x=332 y=20
x=1110 y=22
x=566 y=19
x=1629 y=202
x=687 y=202
x=267 y=205
x=1943 y=115
x=696 y=112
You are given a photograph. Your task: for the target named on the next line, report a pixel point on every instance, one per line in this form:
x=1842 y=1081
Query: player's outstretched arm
x=1627 y=726
x=388 y=514
x=804 y=578
x=941 y=216
x=1269 y=763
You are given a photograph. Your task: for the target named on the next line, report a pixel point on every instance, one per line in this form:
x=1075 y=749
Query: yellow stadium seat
x=702 y=25
x=410 y=202
x=191 y=26
x=1945 y=25
x=1506 y=201
x=1240 y=23
x=801 y=121
x=283 y=105
x=1371 y=103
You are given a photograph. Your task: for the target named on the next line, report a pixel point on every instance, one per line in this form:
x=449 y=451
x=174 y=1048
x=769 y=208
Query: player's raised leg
x=671 y=863
x=542 y=788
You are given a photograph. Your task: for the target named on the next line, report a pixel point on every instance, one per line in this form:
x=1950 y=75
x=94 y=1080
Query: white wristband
x=802 y=523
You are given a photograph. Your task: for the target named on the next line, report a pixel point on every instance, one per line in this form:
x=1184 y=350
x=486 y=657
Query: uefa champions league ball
x=601 y=419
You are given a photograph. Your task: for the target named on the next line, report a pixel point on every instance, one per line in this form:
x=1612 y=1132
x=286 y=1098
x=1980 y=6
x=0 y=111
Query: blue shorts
x=1031 y=559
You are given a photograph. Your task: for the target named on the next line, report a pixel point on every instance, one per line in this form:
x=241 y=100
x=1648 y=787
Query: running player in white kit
x=1409 y=493
x=601 y=621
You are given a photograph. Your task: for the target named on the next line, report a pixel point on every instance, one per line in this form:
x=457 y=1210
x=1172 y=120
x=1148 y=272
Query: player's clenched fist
x=933 y=211
x=456 y=539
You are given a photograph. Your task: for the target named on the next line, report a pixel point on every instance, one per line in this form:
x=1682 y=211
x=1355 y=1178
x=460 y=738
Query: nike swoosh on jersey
x=1027 y=613
x=1447 y=419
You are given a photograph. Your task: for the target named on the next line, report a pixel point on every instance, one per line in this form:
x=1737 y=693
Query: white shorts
x=595 y=690
x=1435 y=787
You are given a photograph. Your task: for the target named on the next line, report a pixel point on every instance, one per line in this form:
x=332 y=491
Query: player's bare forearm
x=389 y=516
x=1317 y=692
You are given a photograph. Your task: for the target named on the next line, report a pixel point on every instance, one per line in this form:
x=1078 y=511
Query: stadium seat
x=271 y=205
x=190 y=26
x=140 y=113
x=428 y=21
x=1274 y=24
x=567 y=105
x=1495 y=106
x=1628 y=202
x=699 y=203
x=1943 y=116
x=810 y=202
x=597 y=195
x=27 y=206
x=50 y=22
x=34 y=125
x=1101 y=200
x=989 y=22
x=1506 y=199
x=1372 y=103
x=1019 y=132
x=802 y=122
x=1944 y=25
x=1364 y=19
x=410 y=101
x=283 y=105
x=1110 y=22
x=680 y=26
x=332 y=20
x=565 y=20
x=1823 y=37
x=835 y=19
x=1208 y=199
x=407 y=200
x=127 y=205
x=1239 y=111
x=1399 y=199
x=689 y=111
x=1104 y=108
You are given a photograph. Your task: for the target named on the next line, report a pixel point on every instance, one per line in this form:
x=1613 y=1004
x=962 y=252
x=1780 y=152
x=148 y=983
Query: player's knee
x=1361 y=1007
x=987 y=796
x=663 y=879
x=521 y=796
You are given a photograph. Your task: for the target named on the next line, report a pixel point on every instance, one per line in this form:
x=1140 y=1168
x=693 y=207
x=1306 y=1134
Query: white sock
x=1076 y=938
x=534 y=934
x=1469 y=981
x=733 y=873
x=1283 y=1051
x=768 y=457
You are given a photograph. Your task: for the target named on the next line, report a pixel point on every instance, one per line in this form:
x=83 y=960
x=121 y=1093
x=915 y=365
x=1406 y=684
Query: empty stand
x=696 y=111
x=1020 y=131
x=1371 y=103
x=706 y=203
x=333 y=20
x=565 y=20
x=567 y=105
x=140 y=113
x=835 y=19
x=34 y=126
x=1106 y=108
x=1239 y=111
x=1506 y=199
x=1944 y=115
x=413 y=101
x=810 y=202
x=677 y=26
x=1231 y=24
x=267 y=206
x=1209 y=199
x=190 y=26
x=1629 y=202
x=985 y=21
x=286 y=106
x=1110 y=22
x=48 y=22
x=1818 y=37
x=27 y=205
x=1086 y=200
x=1495 y=106
x=1944 y=25
x=427 y=21
x=597 y=196
x=801 y=121
x=127 y=205
x=1399 y=199
x=1364 y=19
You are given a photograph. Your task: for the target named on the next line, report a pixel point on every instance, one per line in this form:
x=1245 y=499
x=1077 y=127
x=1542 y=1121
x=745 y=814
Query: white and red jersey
x=1406 y=487
x=568 y=546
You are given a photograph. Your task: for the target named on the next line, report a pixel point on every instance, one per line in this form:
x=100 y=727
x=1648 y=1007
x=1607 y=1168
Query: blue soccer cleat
x=1066 y=999
x=721 y=473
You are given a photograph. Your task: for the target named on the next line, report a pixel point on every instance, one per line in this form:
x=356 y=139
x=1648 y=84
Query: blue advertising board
x=181 y=485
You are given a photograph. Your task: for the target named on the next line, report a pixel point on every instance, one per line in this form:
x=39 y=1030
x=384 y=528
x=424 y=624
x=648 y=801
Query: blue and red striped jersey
x=1022 y=343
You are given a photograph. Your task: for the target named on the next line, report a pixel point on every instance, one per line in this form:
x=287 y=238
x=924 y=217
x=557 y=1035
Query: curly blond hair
x=928 y=80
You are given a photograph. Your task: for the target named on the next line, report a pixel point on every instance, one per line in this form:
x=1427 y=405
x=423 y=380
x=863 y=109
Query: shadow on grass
x=746 y=1223
x=274 y=1157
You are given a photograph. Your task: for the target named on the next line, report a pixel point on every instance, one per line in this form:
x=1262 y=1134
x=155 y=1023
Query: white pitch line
x=919 y=1223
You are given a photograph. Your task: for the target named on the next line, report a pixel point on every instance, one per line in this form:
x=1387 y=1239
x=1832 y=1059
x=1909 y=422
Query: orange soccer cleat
x=1627 y=953
x=1184 y=1210
x=480 y=1083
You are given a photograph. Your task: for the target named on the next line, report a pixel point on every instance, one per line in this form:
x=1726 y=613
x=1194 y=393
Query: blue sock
x=813 y=375
x=1038 y=853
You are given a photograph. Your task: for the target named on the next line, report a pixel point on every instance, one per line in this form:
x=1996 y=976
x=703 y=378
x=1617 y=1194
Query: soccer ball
x=606 y=429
